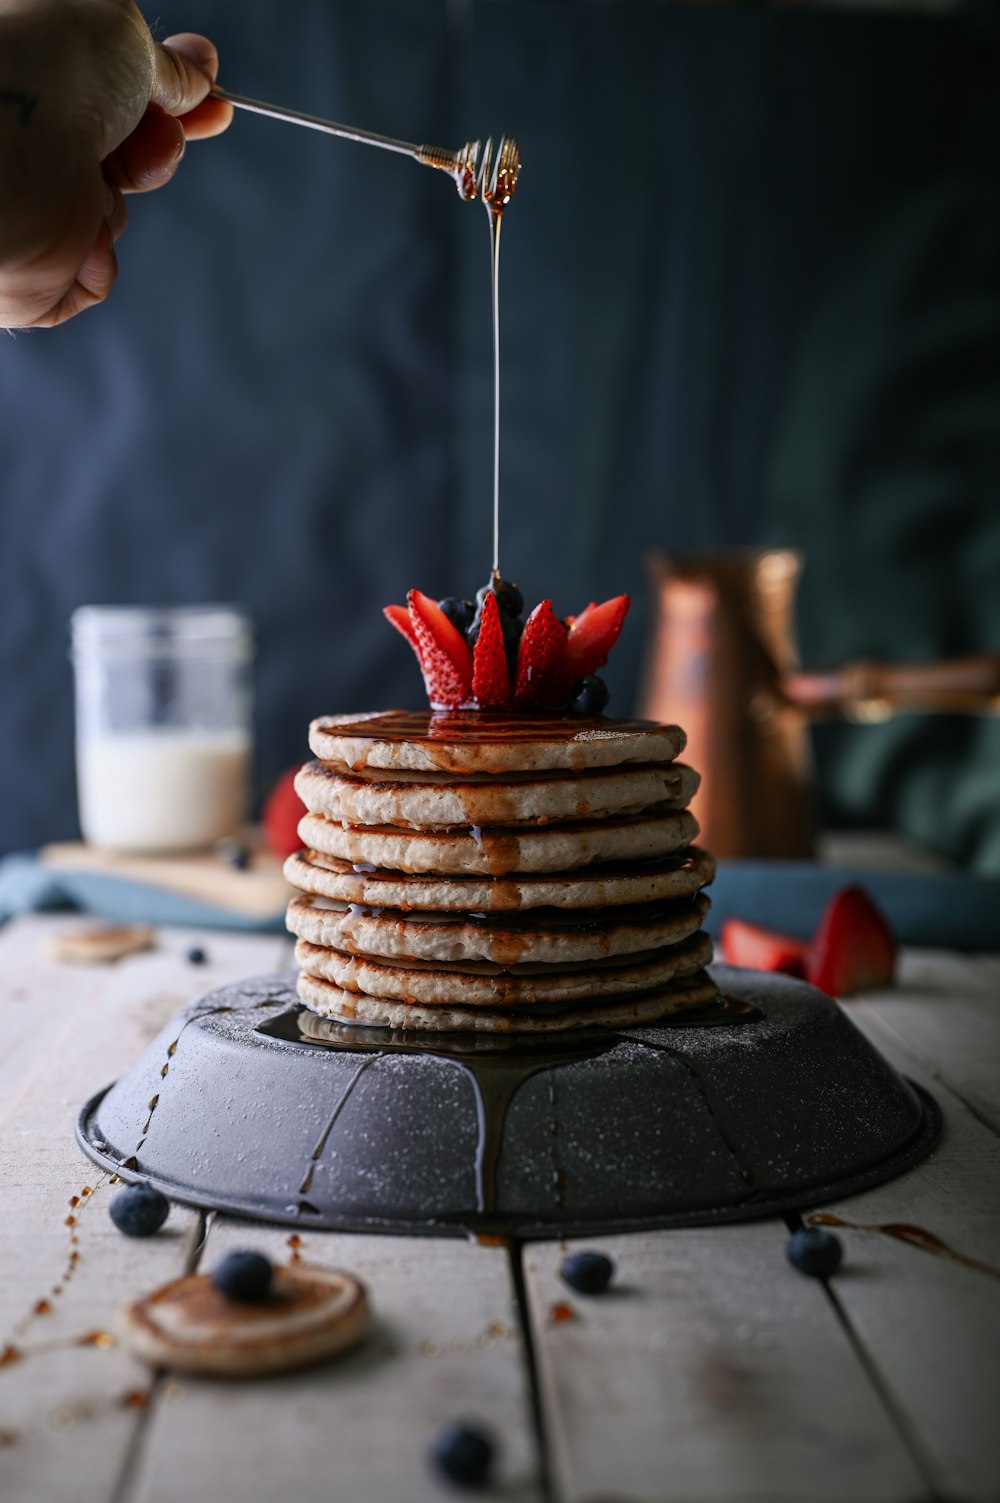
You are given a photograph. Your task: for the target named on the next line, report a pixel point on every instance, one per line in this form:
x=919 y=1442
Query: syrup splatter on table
x=709 y=1369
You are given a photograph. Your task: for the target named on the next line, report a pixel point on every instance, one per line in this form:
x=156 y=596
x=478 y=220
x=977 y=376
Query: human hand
x=91 y=108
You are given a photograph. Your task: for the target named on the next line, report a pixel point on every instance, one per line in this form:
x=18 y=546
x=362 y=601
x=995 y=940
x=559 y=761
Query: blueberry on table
x=814 y=1251
x=196 y=955
x=139 y=1210
x=587 y=1272
x=589 y=695
x=244 y=1277
x=463 y=1453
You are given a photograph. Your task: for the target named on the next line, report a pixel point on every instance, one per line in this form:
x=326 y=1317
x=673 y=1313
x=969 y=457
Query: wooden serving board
x=258 y=892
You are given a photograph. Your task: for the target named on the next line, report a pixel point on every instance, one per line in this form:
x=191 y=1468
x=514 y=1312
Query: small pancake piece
x=674 y=876
x=553 y=936
x=421 y=801
x=379 y=1012
x=187 y=1325
x=484 y=741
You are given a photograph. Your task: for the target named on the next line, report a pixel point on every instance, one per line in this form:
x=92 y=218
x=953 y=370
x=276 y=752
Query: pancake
x=498 y=850
x=549 y=936
x=460 y=742
x=621 y=884
x=427 y=800
x=354 y=1007
x=187 y=1325
x=481 y=984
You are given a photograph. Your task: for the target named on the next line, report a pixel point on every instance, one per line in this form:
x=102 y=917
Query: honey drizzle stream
x=496 y=218
x=903 y=1231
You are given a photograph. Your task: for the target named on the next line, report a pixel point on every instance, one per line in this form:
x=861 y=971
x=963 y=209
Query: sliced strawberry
x=743 y=943
x=490 y=674
x=593 y=634
x=400 y=618
x=445 y=656
x=542 y=681
x=853 y=949
x=281 y=814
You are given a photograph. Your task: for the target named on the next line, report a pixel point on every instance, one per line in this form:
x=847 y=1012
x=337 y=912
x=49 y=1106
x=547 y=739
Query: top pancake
x=488 y=741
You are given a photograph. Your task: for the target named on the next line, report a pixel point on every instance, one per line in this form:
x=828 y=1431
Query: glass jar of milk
x=163 y=729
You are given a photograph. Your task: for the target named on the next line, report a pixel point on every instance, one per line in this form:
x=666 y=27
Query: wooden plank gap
x=538 y=1421
x=129 y=1470
x=131 y=1465
x=924 y=1062
x=896 y=1414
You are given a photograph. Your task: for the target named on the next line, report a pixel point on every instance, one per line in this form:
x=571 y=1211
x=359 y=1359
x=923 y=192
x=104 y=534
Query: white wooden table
x=713 y=1371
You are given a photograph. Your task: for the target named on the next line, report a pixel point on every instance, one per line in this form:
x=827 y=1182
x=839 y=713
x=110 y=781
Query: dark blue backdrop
x=750 y=293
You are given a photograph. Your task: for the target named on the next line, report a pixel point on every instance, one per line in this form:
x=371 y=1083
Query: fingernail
x=110 y=200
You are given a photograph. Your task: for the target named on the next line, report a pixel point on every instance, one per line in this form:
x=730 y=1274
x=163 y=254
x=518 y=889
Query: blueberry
x=459 y=612
x=587 y=1272
x=139 y=1210
x=463 y=1453
x=589 y=695
x=196 y=955
x=813 y=1251
x=244 y=1276
x=509 y=597
x=234 y=853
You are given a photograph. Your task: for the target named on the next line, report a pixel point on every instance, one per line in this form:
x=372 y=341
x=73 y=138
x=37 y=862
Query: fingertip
x=99 y=271
x=197 y=49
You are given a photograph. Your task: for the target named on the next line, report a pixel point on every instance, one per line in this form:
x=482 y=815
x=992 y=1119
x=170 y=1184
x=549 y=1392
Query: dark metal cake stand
x=249 y=1104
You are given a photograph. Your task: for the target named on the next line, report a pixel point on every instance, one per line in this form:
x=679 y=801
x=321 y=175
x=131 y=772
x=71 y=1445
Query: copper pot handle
x=873 y=691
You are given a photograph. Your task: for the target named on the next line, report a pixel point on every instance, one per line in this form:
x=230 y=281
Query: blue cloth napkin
x=951 y=910
x=27 y=886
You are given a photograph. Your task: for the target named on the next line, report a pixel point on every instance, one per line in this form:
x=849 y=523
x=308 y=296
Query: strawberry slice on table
x=541 y=681
x=743 y=943
x=853 y=949
x=445 y=656
x=592 y=635
x=490 y=674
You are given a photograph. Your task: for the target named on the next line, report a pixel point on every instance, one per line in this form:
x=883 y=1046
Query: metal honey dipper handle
x=476 y=173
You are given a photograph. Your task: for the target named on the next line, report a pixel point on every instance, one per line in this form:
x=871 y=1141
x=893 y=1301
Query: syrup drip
x=560 y=1312
x=13 y=1351
x=295 y=1243
x=745 y=1172
x=903 y=1231
x=304 y=1206
x=496 y=1069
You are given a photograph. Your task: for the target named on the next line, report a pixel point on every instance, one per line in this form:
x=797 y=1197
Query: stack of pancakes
x=498 y=873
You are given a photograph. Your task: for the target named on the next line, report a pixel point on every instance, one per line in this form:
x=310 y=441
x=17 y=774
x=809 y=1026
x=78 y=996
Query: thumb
x=184 y=69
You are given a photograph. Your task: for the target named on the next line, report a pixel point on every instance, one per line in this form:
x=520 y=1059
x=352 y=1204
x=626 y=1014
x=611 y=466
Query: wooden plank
x=445 y=1346
x=45 y=1002
x=712 y=1370
x=930 y=1326
x=944 y=1014
x=68 y=1410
